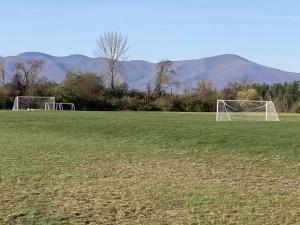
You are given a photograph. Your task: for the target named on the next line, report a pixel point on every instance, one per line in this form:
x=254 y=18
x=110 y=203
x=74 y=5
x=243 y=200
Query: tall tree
x=28 y=73
x=91 y=86
x=81 y=87
x=113 y=47
x=16 y=86
x=204 y=96
x=165 y=77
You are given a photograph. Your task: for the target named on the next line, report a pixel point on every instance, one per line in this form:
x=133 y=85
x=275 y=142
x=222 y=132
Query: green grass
x=147 y=168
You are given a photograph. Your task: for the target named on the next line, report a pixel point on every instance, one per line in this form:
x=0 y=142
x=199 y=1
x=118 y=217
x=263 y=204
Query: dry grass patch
x=172 y=191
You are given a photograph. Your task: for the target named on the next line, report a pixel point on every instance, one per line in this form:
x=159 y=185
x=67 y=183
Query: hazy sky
x=265 y=31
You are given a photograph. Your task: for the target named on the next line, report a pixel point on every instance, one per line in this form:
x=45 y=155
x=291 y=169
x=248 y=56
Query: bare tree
x=188 y=87
x=28 y=73
x=2 y=74
x=204 y=96
x=113 y=47
x=205 y=89
x=165 y=77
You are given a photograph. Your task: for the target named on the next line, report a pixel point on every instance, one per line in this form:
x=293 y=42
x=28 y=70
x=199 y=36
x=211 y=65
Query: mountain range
x=218 y=69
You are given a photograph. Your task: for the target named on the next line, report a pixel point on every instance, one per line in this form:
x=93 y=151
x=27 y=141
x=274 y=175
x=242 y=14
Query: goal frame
x=50 y=105
x=267 y=105
x=60 y=106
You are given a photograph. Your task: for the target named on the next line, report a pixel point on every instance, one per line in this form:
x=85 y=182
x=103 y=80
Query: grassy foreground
x=147 y=168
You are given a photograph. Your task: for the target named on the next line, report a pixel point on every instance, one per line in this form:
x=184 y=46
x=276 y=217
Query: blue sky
x=265 y=31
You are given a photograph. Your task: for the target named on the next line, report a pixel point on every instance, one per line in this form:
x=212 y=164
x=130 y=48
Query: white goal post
x=241 y=110
x=34 y=103
x=65 y=106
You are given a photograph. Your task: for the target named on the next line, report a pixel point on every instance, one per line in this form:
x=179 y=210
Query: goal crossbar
x=60 y=106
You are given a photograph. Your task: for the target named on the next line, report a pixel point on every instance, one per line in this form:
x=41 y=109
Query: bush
x=6 y=102
x=296 y=107
x=177 y=104
x=161 y=104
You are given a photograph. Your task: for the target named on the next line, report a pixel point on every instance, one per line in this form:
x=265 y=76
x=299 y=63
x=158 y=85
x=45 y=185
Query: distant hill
x=219 y=69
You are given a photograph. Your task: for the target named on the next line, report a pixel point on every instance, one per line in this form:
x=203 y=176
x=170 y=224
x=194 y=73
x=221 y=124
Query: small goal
x=34 y=103
x=65 y=106
x=241 y=110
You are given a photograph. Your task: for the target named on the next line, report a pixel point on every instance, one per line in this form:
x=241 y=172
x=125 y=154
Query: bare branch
x=28 y=72
x=113 y=47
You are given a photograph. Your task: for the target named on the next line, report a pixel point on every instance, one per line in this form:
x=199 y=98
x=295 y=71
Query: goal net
x=34 y=103
x=240 y=110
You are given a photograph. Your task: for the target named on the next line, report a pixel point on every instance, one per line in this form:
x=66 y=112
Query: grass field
x=147 y=168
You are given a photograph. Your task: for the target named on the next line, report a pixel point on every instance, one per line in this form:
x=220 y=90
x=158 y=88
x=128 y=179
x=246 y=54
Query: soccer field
x=147 y=168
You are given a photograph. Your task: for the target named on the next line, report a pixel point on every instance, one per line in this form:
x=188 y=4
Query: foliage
x=284 y=95
x=296 y=107
x=205 y=97
x=5 y=101
x=165 y=78
x=231 y=90
x=87 y=90
x=83 y=88
x=247 y=94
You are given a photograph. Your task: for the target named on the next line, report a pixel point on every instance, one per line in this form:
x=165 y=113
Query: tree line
x=108 y=91
x=89 y=92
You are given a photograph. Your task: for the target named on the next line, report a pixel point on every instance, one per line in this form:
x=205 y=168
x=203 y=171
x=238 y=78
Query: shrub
x=296 y=107
x=161 y=104
x=6 y=102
